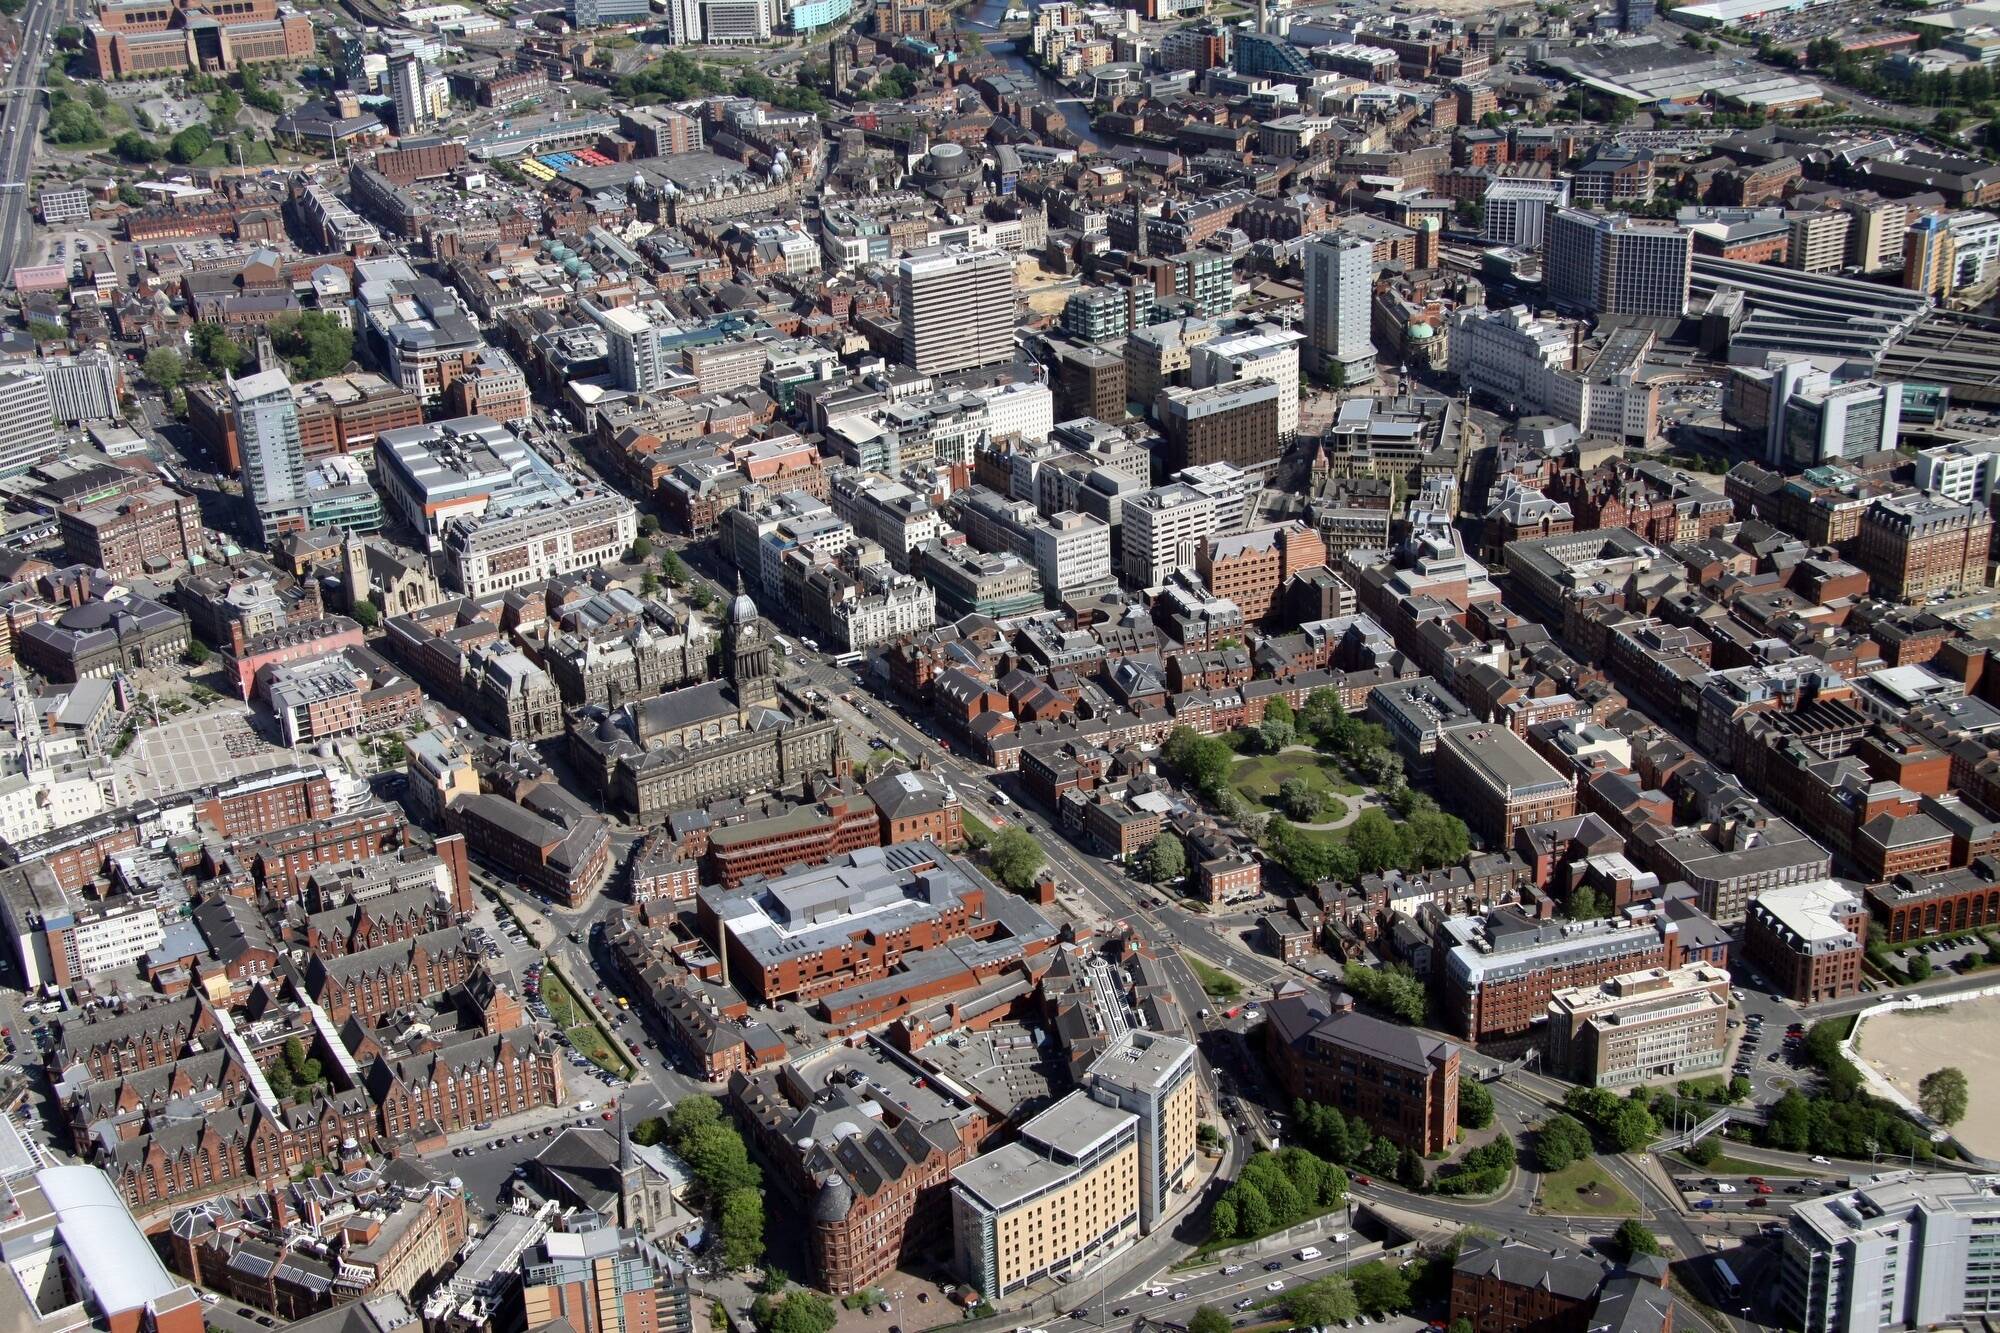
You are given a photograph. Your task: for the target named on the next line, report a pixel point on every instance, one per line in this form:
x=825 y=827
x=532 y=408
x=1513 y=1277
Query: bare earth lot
x=1906 y=1046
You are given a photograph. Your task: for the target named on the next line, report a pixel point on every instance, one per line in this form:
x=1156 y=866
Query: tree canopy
x=1943 y=1095
x=316 y=344
x=1165 y=858
x=1561 y=1140
x=1015 y=857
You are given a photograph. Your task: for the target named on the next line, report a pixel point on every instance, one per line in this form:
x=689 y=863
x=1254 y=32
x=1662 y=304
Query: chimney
x=236 y=637
x=451 y=850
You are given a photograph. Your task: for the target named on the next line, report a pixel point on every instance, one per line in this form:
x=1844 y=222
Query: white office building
x=25 y=437
x=1904 y=1251
x=1072 y=553
x=637 y=361
x=1611 y=264
x=501 y=550
x=1964 y=470
x=1266 y=353
x=1163 y=529
x=959 y=309
x=1340 y=279
x=267 y=435
x=84 y=387
x=1517 y=211
x=406 y=77
x=1022 y=409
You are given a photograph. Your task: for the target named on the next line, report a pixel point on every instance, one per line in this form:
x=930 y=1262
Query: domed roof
x=834 y=1201
x=1422 y=333
x=742 y=611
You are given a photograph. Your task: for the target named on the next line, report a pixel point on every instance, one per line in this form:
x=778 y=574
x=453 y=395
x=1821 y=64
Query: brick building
x=1917 y=544
x=1403 y=1083
x=1498 y=972
x=1916 y=907
x=1501 y=783
x=1249 y=567
x=375 y=982
x=137 y=530
x=1809 y=939
x=284 y=860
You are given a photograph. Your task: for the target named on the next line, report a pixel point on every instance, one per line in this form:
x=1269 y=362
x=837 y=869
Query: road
x=21 y=124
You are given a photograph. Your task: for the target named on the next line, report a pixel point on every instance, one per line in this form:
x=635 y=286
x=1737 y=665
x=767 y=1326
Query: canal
x=982 y=19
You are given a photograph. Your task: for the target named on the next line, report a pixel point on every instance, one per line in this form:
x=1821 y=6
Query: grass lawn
x=1212 y=1244
x=574 y=1020
x=1583 y=1188
x=1219 y=984
x=1259 y=777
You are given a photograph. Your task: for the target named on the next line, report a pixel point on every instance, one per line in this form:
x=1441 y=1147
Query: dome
x=742 y=611
x=1422 y=333
x=948 y=160
x=835 y=1199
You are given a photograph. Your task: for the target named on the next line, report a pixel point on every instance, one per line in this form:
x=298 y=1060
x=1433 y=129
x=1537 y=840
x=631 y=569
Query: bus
x=1726 y=1276
x=848 y=659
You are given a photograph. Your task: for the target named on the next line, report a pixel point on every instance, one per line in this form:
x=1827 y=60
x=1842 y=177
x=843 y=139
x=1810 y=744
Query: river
x=982 y=19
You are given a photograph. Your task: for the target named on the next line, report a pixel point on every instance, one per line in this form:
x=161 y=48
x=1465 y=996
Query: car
x=1245 y=1303
x=1821 y=1161
x=1228 y=1269
x=1121 y=1312
x=1764 y=1189
x=1795 y=1189
x=1363 y=1180
x=1080 y=1312
x=1760 y=1203
x=1755 y=1180
x=1180 y=1295
x=1275 y=1284
x=1724 y=1187
x=1274 y=1265
x=1703 y=1204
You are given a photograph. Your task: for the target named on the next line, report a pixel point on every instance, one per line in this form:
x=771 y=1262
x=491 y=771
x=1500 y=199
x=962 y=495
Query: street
x=21 y=123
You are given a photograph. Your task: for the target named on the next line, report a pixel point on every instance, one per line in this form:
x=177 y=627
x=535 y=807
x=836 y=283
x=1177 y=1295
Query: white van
x=1309 y=1252
x=586 y=1107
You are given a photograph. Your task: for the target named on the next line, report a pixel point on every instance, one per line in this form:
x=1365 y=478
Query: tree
x=690 y=1114
x=1394 y=989
x=1918 y=968
x=1562 y=1139
x=1704 y=1152
x=1280 y=710
x=1325 y=1303
x=1475 y=1104
x=1943 y=1095
x=801 y=1311
x=69 y=37
x=46 y=331
x=1635 y=1240
x=1297 y=798
x=1222 y=1219
x=1336 y=375
x=671 y=566
x=1274 y=735
x=1204 y=761
x=280 y=1079
x=1015 y=856
x=190 y=144
x=316 y=344
x=1165 y=859
x=1380 y=1289
x=227 y=107
x=365 y=614
x=1208 y=1319
x=1584 y=904
x=1634 y=1127
x=164 y=369
x=216 y=349
x=197 y=653
x=650 y=1131
x=718 y=1161
x=1376 y=841
x=641 y=552
x=74 y=122
x=742 y=1228
x=1432 y=839
x=1460 y=1325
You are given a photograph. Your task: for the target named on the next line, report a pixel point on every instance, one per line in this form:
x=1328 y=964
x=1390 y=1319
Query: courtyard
x=1259 y=778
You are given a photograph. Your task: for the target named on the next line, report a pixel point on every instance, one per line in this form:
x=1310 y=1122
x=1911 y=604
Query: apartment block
x=1501 y=783
x=1641 y=1025
x=1903 y=1251
x=1498 y=972
x=1809 y=939
x=1400 y=1082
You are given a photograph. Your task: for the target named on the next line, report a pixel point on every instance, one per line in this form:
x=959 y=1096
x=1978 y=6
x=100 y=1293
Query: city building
x=1163 y=530
x=1904 y=1250
x=137 y=530
x=274 y=465
x=140 y=38
x=1225 y=423
x=1517 y=210
x=598 y=1275
x=1611 y=264
x=1156 y=1079
x=1915 y=546
x=864 y=1150
x=1503 y=785
x=1808 y=939
x=1938 y=902
x=25 y=412
x=1502 y=1285
x=1340 y=291
x=1060 y=1200
x=1638 y=1026
x=81 y=1259
x=1266 y=353
x=864 y=916
x=1500 y=970
x=1401 y=1083
x=958 y=309
x=59 y=937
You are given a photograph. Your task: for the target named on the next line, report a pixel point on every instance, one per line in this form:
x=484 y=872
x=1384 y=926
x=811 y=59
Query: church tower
x=746 y=651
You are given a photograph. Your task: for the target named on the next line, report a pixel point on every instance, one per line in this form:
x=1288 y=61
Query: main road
x=21 y=124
